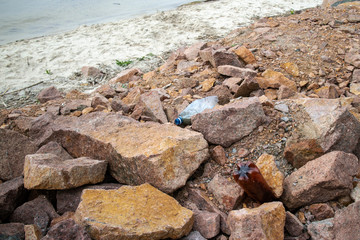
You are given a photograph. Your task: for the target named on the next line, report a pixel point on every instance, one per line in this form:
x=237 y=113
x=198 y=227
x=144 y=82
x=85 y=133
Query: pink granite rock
x=347 y=222
x=237 y=72
x=207 y=223
x=48 y=94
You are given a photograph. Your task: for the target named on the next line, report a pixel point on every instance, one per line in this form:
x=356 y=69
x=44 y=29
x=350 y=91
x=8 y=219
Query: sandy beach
x=54 y=59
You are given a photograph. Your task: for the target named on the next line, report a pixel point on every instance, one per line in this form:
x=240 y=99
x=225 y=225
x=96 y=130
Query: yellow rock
x=148 y=76
x=207 y=84
x=246 y=55
x=355 y=88
x=141 y=212
x=133 y=96
x=272 y=79
x=272 y=175
x=263 y=223
x=291 y=68
x=32 y=232
x=87 y=110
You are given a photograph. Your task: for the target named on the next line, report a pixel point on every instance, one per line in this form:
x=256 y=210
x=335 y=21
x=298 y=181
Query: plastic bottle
x=196 y=107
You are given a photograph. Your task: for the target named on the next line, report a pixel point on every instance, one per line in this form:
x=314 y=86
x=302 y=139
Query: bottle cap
x=178 y=121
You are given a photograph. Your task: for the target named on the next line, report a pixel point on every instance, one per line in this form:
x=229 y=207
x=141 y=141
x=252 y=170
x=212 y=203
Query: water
x=22 y=19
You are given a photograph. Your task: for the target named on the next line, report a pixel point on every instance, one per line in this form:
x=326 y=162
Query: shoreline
x=57 y=59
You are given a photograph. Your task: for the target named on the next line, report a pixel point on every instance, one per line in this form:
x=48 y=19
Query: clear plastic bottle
x=196 y=107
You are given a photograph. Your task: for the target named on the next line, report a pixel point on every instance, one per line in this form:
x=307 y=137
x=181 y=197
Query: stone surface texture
x=160 y=154
x=67 y=229
x=141 y=212
x=207 y=224
x=347 y=222
x=264 y=222
x=236 y=72
x=314 y=184
x=48 y=94
x=322 y=230
x=12 y=194
x=54 y=148
x=29 y=211
x=293 y=225
x=12 y=231
x=226 y=191
x=273 y=176
x=229 y=123
x=13 y=149
x=47 y=171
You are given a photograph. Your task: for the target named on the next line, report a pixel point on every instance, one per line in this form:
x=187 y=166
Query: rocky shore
x=112 y=165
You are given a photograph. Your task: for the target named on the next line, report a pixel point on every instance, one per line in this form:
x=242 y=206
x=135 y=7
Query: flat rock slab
x=323 y=179
x=264 y=222
x=163 y=155
x=13 y=149
x=230 y=123
x=141 y=212
x=48 y=171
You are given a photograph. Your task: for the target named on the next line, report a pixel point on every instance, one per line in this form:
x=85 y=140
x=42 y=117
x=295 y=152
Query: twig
x=5 y=93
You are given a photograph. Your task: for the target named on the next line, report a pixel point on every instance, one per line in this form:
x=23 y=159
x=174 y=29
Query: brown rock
x=230 y=123
x=218 y=154
x=285 y=92
x=223 y=93
x=13 y=149
x=56 y=149
x=65 y=216
x=226 y=191
x=160 y=154
x=272 y=175
x=32 y=232
x=192 y=52
x=353 y=59
x=245 y=55
x=303 y=151
x=68 y=200
x=207 y=223
x=184 y=66
x=356 y=76
x=327 y=92
x=48 y=94
x=246 y=87
x=322 y=230
x=264 y=222
x=272 y=79
x=92 y=72
x=346 y=222
x=100 y=100
x=12 y=231
x=271 y=94
x=12 y=194
x=67 y=230
x=133 y=96
x=314 y=184
x=355 y=88
x=47 y=171
x=124 y=76
x=150 y=108
x=233 y=84
x=24 y=123
x=75 y=105
x=220 y=57
x=29 y=212
x=202 y=202
x=293 y=225
x=321 y=211
x=236 y=72
x=141 y=212
x=291 y=68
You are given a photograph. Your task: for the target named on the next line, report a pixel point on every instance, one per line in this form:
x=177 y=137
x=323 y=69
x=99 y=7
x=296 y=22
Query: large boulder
x=13 y=149
x=230 y=123
x=160 y=154
x=321 y=180
x=141 y=212
x=323 y=125
x=48 y=171
x=264 y=222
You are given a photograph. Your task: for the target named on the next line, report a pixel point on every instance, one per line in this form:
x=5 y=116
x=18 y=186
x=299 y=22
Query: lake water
x=22 y=19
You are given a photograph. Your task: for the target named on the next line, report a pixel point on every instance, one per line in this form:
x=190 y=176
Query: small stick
x=5 y=93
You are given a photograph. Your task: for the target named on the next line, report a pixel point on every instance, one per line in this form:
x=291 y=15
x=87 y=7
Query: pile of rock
x=111 y=165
